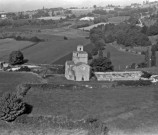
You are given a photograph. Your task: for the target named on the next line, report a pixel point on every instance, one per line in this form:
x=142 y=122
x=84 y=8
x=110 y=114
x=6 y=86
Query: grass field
x=53 y=49
x=49 y=51
x=121 y=59
x=9 y=45
x=126 y=109
x=9 y=80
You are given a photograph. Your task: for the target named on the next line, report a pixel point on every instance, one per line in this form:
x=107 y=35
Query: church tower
x=80 y=55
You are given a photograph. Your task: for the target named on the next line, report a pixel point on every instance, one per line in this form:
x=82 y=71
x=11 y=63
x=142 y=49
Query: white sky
x=20 y=5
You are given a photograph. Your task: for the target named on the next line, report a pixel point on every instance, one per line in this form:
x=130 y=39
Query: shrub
x=18 y=38
x=24 y=68
x=35 y=39
x=101 y=64
x=16 y=57
x=65 y=38
x=146 y=74
x=96 y=127
x=11 y=107
x=134 y=83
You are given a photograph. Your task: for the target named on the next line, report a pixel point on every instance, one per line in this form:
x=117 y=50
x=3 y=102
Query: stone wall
x=116 y=76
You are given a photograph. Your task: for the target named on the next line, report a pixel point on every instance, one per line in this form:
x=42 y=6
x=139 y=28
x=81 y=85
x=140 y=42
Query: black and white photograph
x=78 y=67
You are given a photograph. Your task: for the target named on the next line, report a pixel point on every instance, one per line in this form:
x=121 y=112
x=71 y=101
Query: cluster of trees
x=152 y=30
x=86 y=24
x=130 y=11
x=97 y=39
x=99 y=11
x=123 y=33
x=101 y=63
x=126 y=34
x=100 y=19
x=132 y=38
x=23 y=22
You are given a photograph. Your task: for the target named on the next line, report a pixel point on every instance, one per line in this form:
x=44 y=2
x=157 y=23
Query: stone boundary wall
x=116 y=76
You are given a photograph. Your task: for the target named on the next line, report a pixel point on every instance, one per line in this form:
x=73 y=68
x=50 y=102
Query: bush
x=134 y=83
x=24 y=68
x=146 y=74
x=16 y=57
x=35 y=39
x=11 y=107
x=65 y=38
x=101 y=64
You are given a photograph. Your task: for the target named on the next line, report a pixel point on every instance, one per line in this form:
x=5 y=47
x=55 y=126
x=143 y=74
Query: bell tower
x=80 y=55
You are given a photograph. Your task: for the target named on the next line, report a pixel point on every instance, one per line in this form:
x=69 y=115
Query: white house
x=87 y=19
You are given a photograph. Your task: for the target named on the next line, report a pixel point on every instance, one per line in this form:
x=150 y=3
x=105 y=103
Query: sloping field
x=54 y=48
x=48 y=51
x=68 y=57
x=9 y=45
x=121 y=59
x=9 y=80
x=123 y=108
x=65 y=31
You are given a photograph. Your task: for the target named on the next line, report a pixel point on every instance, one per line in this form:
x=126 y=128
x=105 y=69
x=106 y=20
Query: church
x=78 y=69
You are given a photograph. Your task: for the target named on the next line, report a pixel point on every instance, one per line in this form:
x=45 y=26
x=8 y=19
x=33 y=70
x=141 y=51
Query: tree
x=16 y=57
x=94 y=51
x=153 y=55
x=100 y=52
x=94 y=6
x=101 y=65
x=100 y=44
x=11 y=107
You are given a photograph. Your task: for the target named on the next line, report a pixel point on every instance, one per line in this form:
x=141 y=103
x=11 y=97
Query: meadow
x=51 y=50
x=48 y=51
x=9 y=45
x=119 y=59
x=125 y=110
x=10 y=80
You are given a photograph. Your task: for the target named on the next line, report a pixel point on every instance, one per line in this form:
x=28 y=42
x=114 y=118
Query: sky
x=23 y=5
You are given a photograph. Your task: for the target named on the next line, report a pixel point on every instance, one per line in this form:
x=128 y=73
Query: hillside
x=119 y=59
x=53 y=48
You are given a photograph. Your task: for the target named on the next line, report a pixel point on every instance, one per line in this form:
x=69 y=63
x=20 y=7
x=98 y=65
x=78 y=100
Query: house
x=3 y=15
x=87 y=19
x=78 y=69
